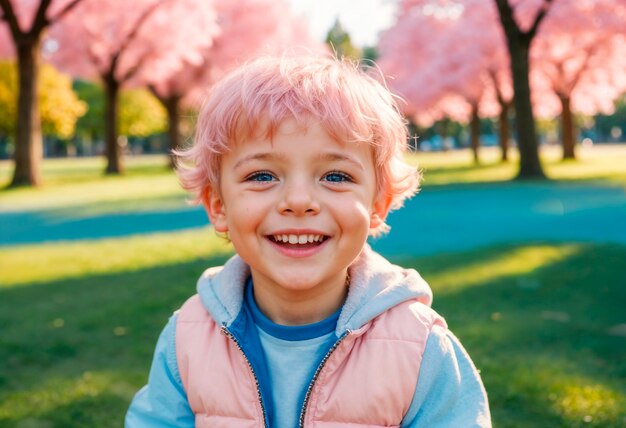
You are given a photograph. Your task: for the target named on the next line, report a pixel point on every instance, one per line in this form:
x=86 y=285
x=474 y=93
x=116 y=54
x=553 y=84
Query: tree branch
x=496 y=85
x=563 y=86
x=94 y=60
x=64 y=11
x=142 y=19
x=507 y=19
x=540 y=16
x=8 y=15
x=131 y=71
x=41 y=21
x=153 y=91
x=589 y=54
x=129 y=39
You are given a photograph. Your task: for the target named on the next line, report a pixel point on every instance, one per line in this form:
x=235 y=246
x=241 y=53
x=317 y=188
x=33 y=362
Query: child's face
x=298 y=209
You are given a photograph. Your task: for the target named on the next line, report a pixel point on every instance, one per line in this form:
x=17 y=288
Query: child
x=299 y=160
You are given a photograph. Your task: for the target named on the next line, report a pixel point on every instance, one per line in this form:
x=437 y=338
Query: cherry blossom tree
x=131 y=42
x=24 y=23
x=7 y=49
x=449 y=58
x=247 y=28
x=578 y=62
x=446 y=58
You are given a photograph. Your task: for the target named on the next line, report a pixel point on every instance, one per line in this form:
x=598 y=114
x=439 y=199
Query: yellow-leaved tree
x=141 y=114
x=60 y=106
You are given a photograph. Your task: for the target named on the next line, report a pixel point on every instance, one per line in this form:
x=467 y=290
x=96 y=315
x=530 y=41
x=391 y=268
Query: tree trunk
x=504 y=131
x=567 y=128
x=443 y=133
x=28 y=143
x=530 y=165
x=172 y=105
x=475 y=133
x=113 y=151
x=519 y=43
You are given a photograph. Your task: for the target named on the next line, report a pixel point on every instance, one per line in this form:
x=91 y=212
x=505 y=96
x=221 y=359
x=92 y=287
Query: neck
x=296 y=306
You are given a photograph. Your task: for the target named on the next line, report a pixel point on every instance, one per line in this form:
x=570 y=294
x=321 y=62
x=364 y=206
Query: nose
x=299 y=198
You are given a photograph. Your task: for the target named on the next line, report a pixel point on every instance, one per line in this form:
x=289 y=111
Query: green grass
x=545 y=325
x=601 y=162
x=31 y=264
x=543 y=322
x=79 y=322
x=79 y=183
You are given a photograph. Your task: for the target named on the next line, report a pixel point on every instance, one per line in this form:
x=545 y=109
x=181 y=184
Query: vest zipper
x=316 y=375
x=228 y=334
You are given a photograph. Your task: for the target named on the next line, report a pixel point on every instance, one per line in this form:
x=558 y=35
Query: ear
x=216 y=210
x=380 y=211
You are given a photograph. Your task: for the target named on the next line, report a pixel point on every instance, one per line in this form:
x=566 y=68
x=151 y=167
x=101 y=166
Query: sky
x=362 y=19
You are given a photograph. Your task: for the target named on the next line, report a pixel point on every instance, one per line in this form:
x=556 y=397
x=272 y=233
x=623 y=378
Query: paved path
x=437 y=220
x=460 y=218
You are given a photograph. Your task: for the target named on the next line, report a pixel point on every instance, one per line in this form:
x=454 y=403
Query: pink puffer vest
x=368 y=380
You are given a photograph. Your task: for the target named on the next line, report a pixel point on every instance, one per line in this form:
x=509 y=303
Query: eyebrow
x=258 y=156
x=335 y=156
x=324 y=157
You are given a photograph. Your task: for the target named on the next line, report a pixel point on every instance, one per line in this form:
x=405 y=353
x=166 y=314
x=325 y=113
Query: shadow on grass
x=83 y=339
x=551 y=343
x=75 y=351
x=30 y=227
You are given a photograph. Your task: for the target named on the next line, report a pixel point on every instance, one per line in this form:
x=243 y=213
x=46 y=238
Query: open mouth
x=298 y=241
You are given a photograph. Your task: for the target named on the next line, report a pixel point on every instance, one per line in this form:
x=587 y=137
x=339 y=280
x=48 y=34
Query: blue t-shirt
x=292 y=354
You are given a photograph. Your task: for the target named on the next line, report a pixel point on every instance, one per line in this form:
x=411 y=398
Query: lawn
x=150 y=184
x=544 y=322
x=600 y=162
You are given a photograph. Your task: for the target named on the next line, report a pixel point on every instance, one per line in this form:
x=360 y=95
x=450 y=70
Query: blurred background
x=517 y=115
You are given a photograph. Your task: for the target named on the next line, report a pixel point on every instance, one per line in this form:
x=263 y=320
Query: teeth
x=298 y=239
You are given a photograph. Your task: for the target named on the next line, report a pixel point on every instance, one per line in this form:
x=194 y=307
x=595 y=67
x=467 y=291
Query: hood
x=375 y=286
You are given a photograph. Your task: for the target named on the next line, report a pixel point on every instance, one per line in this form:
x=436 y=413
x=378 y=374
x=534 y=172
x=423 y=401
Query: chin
x=298 y=282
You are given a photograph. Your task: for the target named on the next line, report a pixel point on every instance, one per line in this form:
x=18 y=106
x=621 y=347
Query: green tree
x=339 y=41
x=60 y=107
x=370 y=53
x=140 y=113
x=610 y=127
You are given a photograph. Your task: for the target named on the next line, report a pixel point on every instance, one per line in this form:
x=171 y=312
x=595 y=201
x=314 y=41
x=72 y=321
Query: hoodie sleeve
x=162 y=402
x=449 y=390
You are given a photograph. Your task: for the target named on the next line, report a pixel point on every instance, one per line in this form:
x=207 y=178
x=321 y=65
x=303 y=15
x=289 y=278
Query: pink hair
x=256 y=98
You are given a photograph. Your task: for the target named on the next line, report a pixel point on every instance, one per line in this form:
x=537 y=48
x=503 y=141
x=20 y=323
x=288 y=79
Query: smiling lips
x=297 y=239
x=298 y=245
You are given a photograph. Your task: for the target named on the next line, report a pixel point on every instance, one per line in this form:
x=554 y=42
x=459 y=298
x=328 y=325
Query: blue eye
x=337 y=177
x=261 y=176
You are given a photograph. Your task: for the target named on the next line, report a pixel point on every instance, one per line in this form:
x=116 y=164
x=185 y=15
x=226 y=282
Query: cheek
x=248 y=212
x=352 y=213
